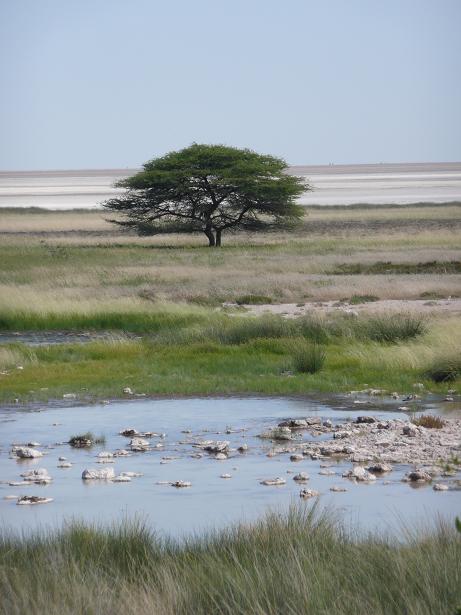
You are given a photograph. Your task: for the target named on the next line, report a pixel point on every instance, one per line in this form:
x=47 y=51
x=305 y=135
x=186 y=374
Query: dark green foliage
x=209 y=189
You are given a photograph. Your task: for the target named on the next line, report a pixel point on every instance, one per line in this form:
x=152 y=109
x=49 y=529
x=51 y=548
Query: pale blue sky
x=112 y=83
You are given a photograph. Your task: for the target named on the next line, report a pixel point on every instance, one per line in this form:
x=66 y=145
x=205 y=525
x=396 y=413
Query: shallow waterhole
x=211 y=502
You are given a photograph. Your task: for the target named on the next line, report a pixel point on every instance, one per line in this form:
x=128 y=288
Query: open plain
x=348 y=329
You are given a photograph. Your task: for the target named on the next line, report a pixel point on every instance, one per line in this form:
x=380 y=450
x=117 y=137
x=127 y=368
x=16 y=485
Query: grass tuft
x=308 y=359
x=429 y=421
x=391 y=328
x=445 y=369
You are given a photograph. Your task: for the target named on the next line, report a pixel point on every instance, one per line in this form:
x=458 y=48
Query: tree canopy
x=210 y=189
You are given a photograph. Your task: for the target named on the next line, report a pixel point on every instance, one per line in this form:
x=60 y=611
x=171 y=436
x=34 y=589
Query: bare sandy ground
x=292 y=310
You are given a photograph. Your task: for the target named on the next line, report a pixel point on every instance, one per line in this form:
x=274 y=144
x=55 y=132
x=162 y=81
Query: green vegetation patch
x=382 y=267
x=308 y=359
x=445 y=368
x=300 y=562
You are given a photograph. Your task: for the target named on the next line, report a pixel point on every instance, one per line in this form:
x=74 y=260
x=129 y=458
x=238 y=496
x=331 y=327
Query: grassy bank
x=233 y=354
x=299 y=563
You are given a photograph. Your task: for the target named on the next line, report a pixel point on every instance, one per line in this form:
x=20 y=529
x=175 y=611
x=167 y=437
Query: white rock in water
x=105 y=454
x=308 y=493
x=440 y=487
x=24 y=452
x=220 y=446
x=104 y=474
x=379 y=468
x=37 y=473
x=129 y=432
x=33 y=499
x=64 y=464
x=139 y=444
x=226 y=476
x=327 y=472
x=121 y=479
x=69 y=396
x=62 y=458
x=418 y=476
x=273 y=482
x=33 y=444
x=181 y=483
x=122 y=453
x=338 y=489
x=296 y=457
x=131 y=474
x=360 y=474
x=220 y=456
x=301 y=477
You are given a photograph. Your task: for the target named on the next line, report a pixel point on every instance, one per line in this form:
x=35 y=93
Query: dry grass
x=429 y=421
x=61 y=258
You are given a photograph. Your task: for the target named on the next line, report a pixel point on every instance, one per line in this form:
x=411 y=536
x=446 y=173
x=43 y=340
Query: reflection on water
x=211 y=501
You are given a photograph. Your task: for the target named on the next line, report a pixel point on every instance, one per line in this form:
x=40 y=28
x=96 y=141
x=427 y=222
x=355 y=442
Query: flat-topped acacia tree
x=209 y=189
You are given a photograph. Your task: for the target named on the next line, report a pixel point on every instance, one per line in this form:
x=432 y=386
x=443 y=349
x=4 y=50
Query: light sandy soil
x=291 y=310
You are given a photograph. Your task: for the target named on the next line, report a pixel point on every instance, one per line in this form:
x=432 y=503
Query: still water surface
x=211 y=502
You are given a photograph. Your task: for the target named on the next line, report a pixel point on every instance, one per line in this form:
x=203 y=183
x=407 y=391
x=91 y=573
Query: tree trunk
x=218 y=238
x=211 y=239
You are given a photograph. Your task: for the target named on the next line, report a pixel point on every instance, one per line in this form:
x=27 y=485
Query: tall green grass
x=445 y=368
x=392 y=328
x=135 y=321
x=308 y=358
x=301 y=562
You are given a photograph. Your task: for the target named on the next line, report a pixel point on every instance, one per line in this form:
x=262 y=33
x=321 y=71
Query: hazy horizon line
x=291 y=166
